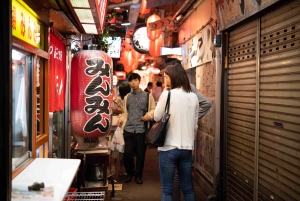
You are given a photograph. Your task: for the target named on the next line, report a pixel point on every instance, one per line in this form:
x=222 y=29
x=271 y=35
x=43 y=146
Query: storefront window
x=21 y=66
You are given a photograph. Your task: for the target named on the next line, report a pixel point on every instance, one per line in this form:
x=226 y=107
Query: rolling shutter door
x=263 y=159
x=241 y=112
x=279 y=113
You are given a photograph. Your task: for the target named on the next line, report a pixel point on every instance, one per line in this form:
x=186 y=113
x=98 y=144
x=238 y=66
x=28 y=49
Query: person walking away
x=149 y=87
x=136 y=112
x=118 y=109
x=181 y=130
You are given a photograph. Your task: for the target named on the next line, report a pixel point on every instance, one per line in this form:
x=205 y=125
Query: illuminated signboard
x=101 y=10
x=114 y=49
x=25 y=25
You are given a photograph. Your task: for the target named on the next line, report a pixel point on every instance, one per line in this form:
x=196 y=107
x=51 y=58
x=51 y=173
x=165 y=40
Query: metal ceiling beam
x=126 y=3
x=185 y=5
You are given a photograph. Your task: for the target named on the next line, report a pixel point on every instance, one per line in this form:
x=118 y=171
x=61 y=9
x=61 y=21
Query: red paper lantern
x=155 y=46
x=91 y=94
x=135 y=65
x=126 y=44
x=153 y=35
x=127 y=61
x=135 y=54
x=143 y=7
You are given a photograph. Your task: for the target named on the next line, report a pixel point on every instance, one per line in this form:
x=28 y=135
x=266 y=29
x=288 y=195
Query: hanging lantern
x=135 y=54
x=143 y=7
x=128 y=61
x=155 y=47
x=91 y=94
x=135 y=65
x=126 y=44
x=153 y=35
x=122 y=57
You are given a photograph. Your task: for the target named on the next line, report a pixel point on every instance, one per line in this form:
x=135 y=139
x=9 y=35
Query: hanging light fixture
x=125 y=18
x=155 y=47
x=135 y=55
x=153 y=35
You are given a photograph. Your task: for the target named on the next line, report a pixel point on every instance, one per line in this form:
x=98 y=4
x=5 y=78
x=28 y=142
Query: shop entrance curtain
x=57 y=81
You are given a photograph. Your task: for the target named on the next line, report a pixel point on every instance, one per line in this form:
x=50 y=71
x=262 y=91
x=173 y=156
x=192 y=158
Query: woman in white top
x=181 y=130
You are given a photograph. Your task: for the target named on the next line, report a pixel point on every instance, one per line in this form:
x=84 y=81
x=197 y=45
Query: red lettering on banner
x=14 y=18
x=23 y=26
x=29 y=30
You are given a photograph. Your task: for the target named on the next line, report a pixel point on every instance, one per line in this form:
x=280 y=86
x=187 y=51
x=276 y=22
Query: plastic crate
x=70 y=192
x=85 y=196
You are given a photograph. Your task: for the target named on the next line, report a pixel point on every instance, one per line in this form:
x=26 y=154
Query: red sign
x=121 y=75
x=57 y=80
x=101 y=6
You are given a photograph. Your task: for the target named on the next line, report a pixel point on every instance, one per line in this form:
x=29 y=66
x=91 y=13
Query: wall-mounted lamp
x=125 y=18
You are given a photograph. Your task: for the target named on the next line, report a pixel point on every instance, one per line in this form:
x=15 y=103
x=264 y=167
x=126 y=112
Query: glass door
x=21 y=68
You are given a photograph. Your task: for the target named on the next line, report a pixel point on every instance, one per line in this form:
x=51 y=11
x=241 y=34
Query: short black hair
x=133 y=76
x=150 y=84
x=124 y=89
x=170 y=61
x=158 y=83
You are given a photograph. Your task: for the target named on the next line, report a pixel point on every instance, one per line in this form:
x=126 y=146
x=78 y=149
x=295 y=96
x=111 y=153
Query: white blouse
x=182 y=125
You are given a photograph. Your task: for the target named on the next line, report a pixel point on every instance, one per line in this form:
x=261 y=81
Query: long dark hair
x=124 y=89
x=178 y=77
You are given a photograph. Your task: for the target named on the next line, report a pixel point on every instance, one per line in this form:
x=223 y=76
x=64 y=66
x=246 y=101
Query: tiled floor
x=150 y=190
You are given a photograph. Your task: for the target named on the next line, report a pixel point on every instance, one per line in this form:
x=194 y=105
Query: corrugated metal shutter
x=279 y=114
x=276 y=138
x=241 y=112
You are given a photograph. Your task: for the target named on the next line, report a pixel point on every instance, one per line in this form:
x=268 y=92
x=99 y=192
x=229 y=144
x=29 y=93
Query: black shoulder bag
x=157 y=133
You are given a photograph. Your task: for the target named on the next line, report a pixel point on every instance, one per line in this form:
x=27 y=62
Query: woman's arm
x=160 y=107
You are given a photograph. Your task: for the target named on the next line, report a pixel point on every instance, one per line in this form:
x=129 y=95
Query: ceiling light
x=80 y=3
x=179 y=17
x=90 y=28
x=84 y=15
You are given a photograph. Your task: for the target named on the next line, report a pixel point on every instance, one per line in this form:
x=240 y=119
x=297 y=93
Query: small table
x=54 y=172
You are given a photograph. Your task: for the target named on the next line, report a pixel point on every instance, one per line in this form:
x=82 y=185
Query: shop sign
x=25 y=25
x=101 y=6
x=164 y=22
x=121 y=75
x=231 y=12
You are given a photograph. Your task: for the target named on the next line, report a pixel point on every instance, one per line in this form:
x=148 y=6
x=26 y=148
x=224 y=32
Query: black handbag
x=157 y=133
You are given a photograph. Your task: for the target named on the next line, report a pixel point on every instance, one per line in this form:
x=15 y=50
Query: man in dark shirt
x=136 y=112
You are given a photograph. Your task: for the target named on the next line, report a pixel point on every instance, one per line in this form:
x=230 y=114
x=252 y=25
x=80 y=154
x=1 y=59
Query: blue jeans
x=168 y=161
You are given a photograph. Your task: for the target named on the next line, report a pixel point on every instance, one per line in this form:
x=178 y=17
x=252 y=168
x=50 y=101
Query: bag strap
x=168 y=102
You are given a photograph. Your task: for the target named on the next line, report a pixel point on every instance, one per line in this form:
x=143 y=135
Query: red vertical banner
x=57 y=80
